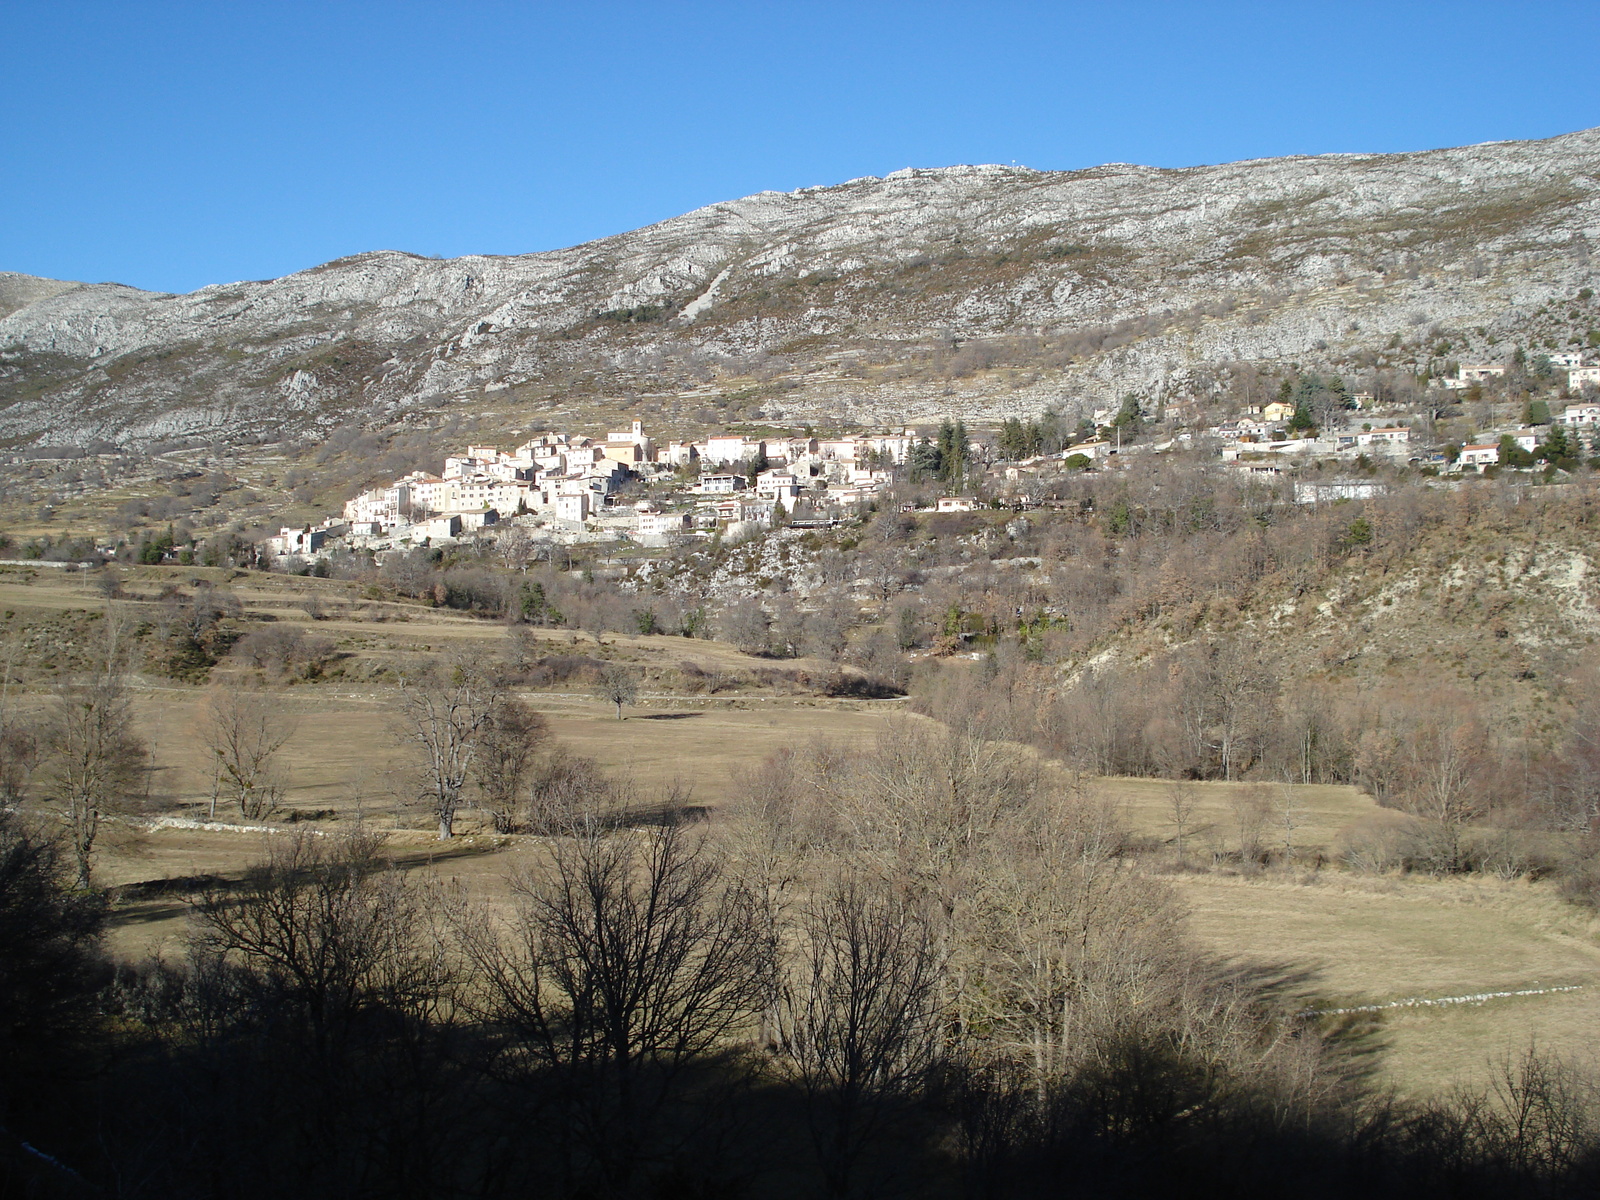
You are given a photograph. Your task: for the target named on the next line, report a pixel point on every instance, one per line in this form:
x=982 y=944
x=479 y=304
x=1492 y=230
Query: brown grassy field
x=1346 y=938
x=1363 y=940
x=1351 y=939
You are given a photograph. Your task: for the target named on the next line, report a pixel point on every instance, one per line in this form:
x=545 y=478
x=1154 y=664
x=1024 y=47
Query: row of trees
x=1219 y=709
x=469 y=739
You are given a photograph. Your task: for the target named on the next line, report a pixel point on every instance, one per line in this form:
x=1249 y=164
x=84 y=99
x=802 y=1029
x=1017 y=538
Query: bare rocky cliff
x=983 y=290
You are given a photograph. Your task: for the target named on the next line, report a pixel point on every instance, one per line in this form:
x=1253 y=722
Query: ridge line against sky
x=173 y=145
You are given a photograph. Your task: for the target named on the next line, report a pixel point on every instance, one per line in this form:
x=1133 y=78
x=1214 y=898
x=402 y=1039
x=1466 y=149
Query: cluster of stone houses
x=1246 y=440
x=570 y=484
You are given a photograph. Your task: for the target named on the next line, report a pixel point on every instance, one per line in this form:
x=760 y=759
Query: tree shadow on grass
x=1358 y=1041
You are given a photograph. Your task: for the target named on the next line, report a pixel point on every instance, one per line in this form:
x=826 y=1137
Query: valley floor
x=1332 y=937
x=1335 y=938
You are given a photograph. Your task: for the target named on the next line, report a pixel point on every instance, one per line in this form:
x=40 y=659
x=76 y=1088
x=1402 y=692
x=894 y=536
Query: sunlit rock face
x=1062 y=287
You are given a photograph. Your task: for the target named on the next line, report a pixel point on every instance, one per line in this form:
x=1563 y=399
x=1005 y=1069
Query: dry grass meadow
x=1345 y=939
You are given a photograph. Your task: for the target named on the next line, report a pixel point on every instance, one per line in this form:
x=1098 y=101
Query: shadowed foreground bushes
x=911 y=969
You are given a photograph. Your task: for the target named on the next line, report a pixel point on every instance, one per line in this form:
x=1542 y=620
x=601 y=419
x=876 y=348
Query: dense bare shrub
x=859 y=1011
x=508 y=749
x=745 y=625
x=285 y=651
x=630 y=961
x=564 y=791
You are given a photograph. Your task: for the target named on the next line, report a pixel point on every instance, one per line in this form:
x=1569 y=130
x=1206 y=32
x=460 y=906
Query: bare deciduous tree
x=243 y=732
x=331 y=933
x=1066 y=945
x=1544 y=1114
x=631 y=959
x=859 y=1016
x=444 y=713
x=565 y=791
x=1446 y=792
x=617 y=685
x=285 y=650
x=746 y=625
x=510 y=743
x=1289 y=811
x=827 y=632
x=1181 y=801
x=93 y=753
x=1250 y=812
x=924 y=800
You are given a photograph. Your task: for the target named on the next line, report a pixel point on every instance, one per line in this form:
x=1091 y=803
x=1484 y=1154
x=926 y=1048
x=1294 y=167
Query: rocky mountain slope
x=984 y=291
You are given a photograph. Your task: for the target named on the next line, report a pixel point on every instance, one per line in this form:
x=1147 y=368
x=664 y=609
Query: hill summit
x=982 y=291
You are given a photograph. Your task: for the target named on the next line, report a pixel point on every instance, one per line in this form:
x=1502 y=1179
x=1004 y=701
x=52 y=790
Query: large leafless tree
x=860 y=1019
x=94 y=755
x=243 y=732
x=332 y=933
x=617 y=685
x=632 y=958
x=445 y=711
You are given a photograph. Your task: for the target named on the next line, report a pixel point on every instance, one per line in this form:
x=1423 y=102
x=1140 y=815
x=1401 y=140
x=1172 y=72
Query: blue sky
x=171 y=145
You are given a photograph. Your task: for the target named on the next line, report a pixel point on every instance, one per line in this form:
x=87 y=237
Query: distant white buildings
x=441 y=527
x=656 y=527
x=896 y=447
x=287 y=542
x=573 y=507
x=778 y=485
x=1527 y=439
x=1480 y=454
x=381 y=506
x=571 y=481
x=1390 y=434
x=1306 y=492
x=733 y=449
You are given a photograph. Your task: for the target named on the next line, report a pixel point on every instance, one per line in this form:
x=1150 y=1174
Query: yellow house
x=627 y=453
x=1278 y=411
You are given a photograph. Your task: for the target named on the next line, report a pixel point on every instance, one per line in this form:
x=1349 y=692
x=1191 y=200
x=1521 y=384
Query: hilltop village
x=577 y=488
x=627 y=486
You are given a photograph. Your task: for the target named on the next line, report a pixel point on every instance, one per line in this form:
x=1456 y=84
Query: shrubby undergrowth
x=918 y=967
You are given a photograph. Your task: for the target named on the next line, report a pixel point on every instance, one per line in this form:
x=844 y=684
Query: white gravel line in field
x=1426 y=1002
x=217 y=826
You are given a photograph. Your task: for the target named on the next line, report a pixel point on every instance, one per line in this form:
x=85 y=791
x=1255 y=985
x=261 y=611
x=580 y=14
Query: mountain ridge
x=788 y=293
